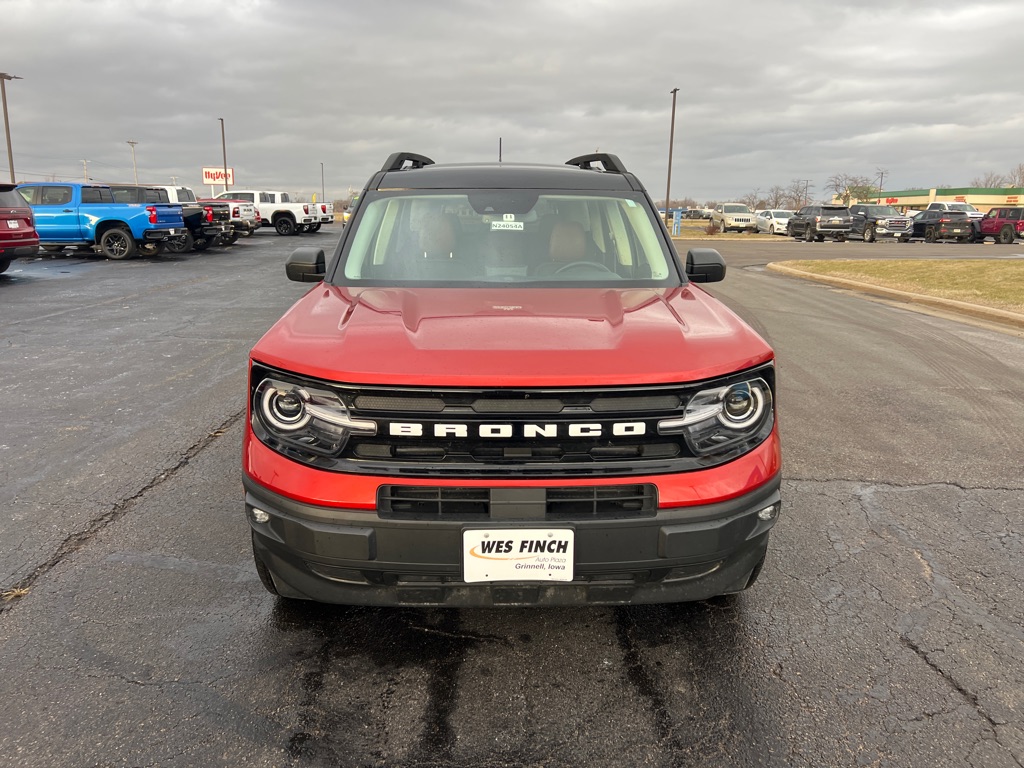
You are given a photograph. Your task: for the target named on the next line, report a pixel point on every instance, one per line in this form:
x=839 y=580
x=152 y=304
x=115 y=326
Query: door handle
x=68 y=210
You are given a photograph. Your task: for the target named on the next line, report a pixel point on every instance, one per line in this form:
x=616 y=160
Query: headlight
x=723 y=418
x=308 y=418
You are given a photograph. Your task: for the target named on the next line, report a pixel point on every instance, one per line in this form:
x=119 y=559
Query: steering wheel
x=576 y=264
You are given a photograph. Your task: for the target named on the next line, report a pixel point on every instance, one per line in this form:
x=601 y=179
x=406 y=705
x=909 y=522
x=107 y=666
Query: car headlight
x=304 y=417
x=721 y=419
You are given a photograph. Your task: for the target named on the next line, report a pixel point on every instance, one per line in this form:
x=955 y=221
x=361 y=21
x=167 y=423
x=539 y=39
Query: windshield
x=881 y=210
x=735 y=209
x=505 y=236
x=966 y=207
x=782 y=214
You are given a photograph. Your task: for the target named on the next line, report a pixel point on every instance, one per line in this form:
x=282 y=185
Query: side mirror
x=306 y=265
x=705 y=265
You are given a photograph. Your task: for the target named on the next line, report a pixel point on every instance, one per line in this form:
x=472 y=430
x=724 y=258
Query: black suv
x=816 y=222
x=876 y=222
x=944 y=225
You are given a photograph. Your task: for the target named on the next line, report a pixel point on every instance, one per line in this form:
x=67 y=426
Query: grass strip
x=997 y=283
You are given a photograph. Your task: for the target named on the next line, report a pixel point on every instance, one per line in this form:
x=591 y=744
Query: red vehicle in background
x=1004 y=225
x=18 y=235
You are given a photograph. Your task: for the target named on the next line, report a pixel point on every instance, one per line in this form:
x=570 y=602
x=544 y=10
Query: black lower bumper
x=355 y=557
x=18 y=251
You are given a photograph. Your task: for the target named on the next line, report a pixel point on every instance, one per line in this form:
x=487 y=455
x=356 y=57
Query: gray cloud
x=768 y=92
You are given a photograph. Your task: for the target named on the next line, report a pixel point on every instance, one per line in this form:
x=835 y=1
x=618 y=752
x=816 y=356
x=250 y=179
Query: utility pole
x=135 y=168
x=671 y=141
x=85 y=170
x=807 y=189
x=323 y=192
x=4 y=77
x=224 y=149
x=174 y=180
x=881 y=178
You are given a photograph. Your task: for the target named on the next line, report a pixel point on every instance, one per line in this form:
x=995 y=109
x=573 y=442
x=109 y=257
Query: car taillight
x=151 y=210
x=305 y=209
x=208 y=214
x=257 y=212
x=235 y=213
x=944 y=221
x=324 y=207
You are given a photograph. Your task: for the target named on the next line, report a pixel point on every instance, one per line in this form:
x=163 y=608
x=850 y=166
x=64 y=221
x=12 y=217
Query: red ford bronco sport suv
x=506 y=388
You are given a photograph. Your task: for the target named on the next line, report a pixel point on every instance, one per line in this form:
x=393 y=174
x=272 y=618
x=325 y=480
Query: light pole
x=4 y=77
x=323 y=194
x=135 y=168
x=881 y=178
x=224 y=149
x=671 y=141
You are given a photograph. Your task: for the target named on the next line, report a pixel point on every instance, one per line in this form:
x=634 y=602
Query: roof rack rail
x=398 y=159
x=610 y=163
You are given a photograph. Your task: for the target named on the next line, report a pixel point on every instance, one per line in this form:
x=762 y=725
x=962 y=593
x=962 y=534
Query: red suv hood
x=510 y=337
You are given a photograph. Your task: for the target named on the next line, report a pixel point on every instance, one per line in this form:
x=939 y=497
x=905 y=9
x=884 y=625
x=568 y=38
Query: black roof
x=424 y=174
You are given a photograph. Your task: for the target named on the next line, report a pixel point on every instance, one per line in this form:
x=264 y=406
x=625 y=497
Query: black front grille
x=562 y=504
x=516 y=433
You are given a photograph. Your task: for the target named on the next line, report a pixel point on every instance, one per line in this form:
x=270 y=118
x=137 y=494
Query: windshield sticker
x=496 y=225
x=631 y=204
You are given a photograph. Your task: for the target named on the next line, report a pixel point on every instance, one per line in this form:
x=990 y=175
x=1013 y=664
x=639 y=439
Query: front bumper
x=356 y=557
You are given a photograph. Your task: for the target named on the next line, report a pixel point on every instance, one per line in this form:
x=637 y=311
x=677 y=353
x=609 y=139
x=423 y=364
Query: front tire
x=809 y=234
x=285 y=226
x=117 y=244
x=869 y=233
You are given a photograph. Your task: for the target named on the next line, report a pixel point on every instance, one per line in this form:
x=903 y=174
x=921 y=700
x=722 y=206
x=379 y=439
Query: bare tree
x=845 y=185
x=799 y=193
x=777 y=197
x=989 y=181
x=752 y=199
x=1015 y=178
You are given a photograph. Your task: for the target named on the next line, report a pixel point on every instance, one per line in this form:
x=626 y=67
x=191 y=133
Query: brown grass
x=997 y=283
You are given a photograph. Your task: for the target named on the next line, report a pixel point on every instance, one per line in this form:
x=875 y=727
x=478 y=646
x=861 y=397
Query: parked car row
x=125 y=220
x=938 y=222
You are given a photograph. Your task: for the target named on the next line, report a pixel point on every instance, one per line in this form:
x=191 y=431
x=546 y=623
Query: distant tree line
x=841 y=186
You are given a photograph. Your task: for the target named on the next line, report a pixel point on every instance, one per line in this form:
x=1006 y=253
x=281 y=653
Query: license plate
x=956 y=231
x=518 y=554
x=173 y=231
x=13 y=223
x=836 y=221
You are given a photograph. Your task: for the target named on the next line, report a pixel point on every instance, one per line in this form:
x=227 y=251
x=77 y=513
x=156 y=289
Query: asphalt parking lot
x=887 y=628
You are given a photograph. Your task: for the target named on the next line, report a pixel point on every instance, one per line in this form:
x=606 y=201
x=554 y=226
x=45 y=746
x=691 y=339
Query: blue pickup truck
x=87 y=215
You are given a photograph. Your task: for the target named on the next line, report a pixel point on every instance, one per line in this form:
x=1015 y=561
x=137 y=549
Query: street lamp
x=135 y=168
x=323 y=194
x=671 y=140
x=4 y=77
x=224 y=149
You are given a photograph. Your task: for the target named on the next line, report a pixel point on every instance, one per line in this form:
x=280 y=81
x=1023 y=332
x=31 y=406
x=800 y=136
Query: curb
x=1002 y=316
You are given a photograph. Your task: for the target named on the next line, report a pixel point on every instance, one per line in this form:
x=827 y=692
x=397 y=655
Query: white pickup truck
x=277 y=210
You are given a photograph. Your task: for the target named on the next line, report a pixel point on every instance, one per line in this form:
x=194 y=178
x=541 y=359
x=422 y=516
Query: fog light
x=259 y=516
x=769 y=513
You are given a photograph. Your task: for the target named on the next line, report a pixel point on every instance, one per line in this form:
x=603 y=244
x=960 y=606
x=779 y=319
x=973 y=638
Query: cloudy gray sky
x=768 y=92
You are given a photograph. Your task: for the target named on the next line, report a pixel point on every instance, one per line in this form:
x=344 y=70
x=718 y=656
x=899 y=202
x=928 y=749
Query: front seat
x=568 y=243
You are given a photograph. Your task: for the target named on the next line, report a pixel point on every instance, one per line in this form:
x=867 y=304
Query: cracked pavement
x=887 y=628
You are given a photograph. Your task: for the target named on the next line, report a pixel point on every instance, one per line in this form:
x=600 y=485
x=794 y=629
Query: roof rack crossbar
x=398 y=159
x=609 y=163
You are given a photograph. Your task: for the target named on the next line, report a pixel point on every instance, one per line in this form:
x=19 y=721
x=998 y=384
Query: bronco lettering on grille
x=617 y=429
